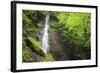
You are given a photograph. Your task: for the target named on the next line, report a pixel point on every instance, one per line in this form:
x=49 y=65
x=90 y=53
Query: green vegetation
x=69 y=36
x=75 y=32
x=49 y=57
x=27 y=56
x=37 y=44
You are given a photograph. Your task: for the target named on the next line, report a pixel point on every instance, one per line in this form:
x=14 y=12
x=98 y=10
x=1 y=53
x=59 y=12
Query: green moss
x=49 y=57
x=26 y=20
x=26 y=54
x=37 y=45
x=29 y=31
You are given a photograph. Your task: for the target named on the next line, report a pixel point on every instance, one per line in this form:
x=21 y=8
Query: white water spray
x=45 y=46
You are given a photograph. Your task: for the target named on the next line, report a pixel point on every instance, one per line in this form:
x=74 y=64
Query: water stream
x=45 y=46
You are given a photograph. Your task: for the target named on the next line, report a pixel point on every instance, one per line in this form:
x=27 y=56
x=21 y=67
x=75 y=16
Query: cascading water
x=45 y=46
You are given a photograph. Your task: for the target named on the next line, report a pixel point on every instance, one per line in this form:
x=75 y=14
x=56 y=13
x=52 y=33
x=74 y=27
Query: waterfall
x=45 y=46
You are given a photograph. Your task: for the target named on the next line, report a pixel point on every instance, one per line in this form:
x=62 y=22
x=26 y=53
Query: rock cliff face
x=56 y=45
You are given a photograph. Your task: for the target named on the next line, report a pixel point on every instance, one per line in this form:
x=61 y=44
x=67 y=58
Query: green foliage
x=49 y=57
x=26 y=55
x=37 y=44
x=26 y=20
x=74 y=29
x=32 y=20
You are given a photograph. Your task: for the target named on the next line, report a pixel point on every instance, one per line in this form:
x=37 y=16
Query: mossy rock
x=26 y=20
x=35 y=43
x=49 y=57
x=35 y=46
x=27 y=55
